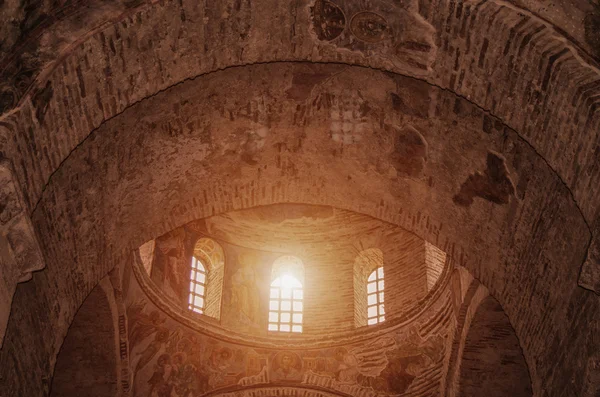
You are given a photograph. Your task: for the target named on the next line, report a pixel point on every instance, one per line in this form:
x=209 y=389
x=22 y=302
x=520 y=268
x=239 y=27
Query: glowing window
x=197 y=286
x=285 y=305
x=375 y=306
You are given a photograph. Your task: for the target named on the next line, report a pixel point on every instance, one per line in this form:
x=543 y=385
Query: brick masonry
x=320 y=143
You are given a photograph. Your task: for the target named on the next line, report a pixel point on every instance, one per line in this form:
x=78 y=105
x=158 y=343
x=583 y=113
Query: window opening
x=375 y=297
x=197 y=286
x=286 y=295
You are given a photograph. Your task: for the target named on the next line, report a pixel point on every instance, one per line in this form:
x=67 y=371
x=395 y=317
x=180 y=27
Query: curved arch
x=486 y=356
x=288 y=265
x=461 y=235
x=88 y=363
x=468 y=295
x=369 y=259
x=525 y=38
x=492 y=361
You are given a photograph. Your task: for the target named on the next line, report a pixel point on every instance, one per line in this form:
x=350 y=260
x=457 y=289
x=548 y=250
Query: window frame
x=379 y=294
x=295 y=323
x=197 y=267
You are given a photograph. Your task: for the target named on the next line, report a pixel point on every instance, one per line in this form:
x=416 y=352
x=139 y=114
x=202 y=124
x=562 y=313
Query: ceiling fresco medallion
x=370 y=27
x=328 y=19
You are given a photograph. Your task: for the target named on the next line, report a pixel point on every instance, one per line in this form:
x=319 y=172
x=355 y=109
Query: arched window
x=197 y=286
x=206 y=278
x=368 y=287
x=286 y=295
x=375 y=305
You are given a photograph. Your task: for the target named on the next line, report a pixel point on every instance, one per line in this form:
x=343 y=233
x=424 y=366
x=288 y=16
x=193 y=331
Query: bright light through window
x=285 y=306
x=197 y=287
x=375 y=309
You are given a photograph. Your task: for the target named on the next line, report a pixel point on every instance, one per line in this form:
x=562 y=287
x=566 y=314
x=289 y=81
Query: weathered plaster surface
x=249 y=136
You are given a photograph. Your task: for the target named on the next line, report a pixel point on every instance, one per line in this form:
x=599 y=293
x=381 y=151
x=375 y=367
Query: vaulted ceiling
x=474 y=125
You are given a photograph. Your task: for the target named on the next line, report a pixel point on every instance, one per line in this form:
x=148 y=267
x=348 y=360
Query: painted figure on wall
x=245 y=296
x=184 y=370
x=170 y=266
x=286 y=366
x=174 y=362
x=159 y=386
x=406 y=363
x=142 y=324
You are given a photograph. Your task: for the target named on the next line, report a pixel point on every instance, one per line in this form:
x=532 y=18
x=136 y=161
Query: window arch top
x=288 y=265
x=210 y=251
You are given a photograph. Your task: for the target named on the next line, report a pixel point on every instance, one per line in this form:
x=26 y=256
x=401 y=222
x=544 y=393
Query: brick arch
x=490 y=52
x=88 y=361
x=97 y=210
x=468 y=295
x=492 y=361
x=214 y=258
x=132 y=63
x=486 y=355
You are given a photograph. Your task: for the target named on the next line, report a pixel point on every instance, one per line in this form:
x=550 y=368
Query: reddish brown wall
x=492 y=362
x=107 y=199
x=388 y=361
x=328 y=255
x=405 y=272
x=87 y=361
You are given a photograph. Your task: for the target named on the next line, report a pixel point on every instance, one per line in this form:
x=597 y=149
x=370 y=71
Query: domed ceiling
x=291 y=228
x=336 y=250
x=334 y=349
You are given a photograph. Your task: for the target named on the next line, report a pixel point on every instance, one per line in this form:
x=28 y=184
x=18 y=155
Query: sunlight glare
x=289 y=282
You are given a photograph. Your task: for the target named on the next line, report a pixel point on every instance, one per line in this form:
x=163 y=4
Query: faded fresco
x=395 y=29
x=170 y=268
x=247 y=273
x=245 y=289
x=172 y=258
x=245 y=295
x=172 y=361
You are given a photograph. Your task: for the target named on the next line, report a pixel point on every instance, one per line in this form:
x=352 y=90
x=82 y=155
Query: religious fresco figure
x=159 y=382
x=348 y=369
x=286 y=366
x=170 y=262
x=142 y=324
x=245 y=292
